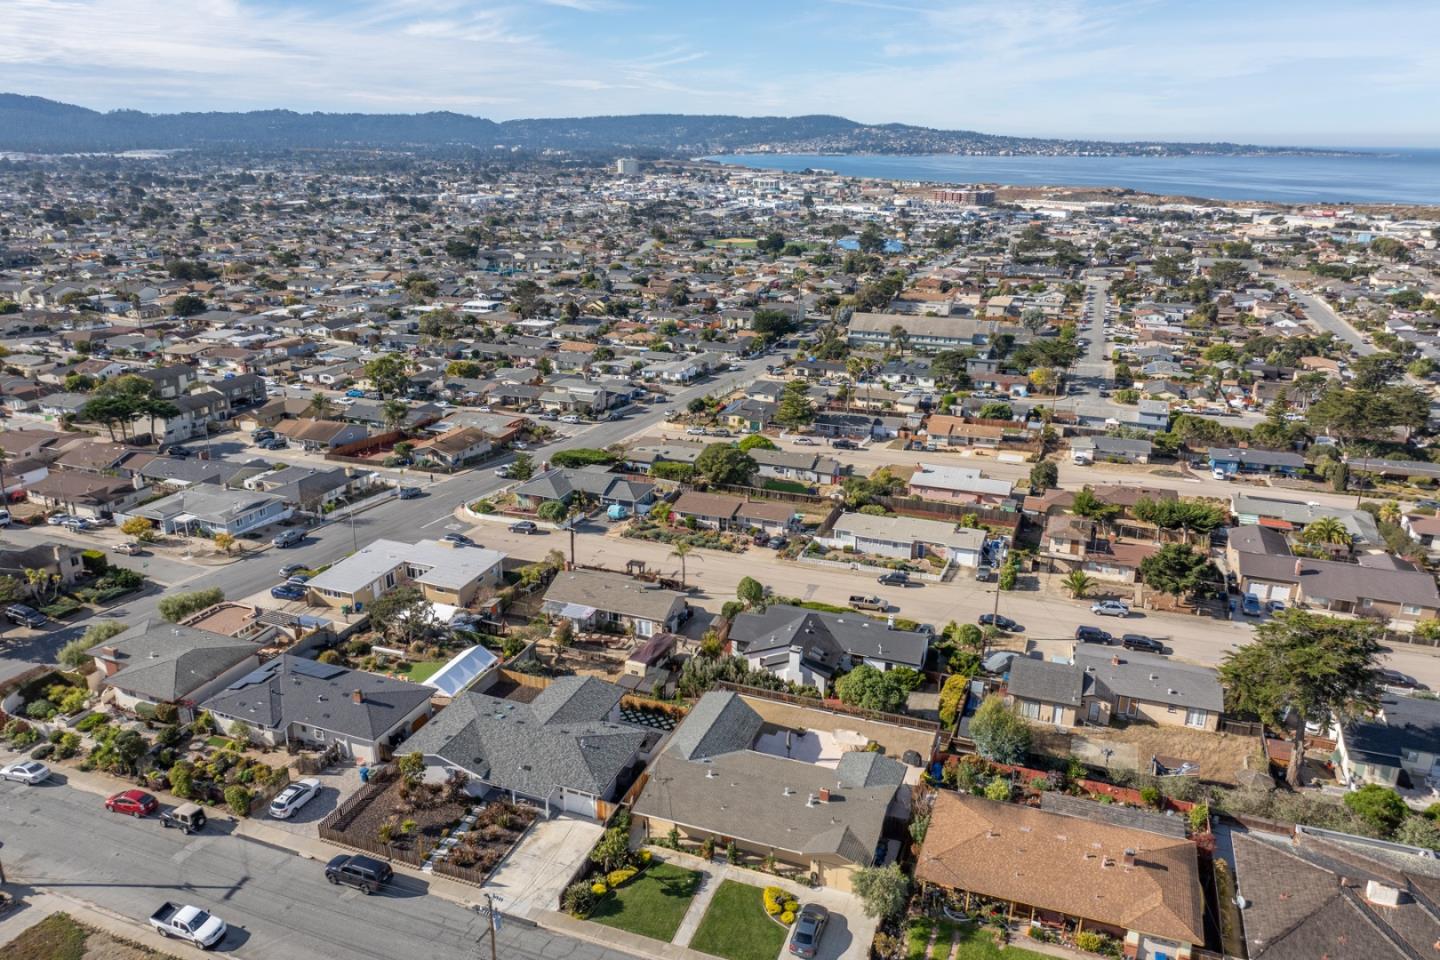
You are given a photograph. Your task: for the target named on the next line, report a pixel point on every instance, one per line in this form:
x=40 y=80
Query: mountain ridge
x=40 y=125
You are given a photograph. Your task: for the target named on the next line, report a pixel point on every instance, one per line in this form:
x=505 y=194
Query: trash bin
x=364 y=775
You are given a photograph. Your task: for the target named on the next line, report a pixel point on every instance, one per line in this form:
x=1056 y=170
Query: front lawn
x=421 y=671
x=972 y=942
x=736 y=926
x=652 y=904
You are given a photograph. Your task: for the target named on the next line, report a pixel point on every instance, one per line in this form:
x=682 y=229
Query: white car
x=294 y=797
x=25 y=771
x=1111 y=608
x=569 y=418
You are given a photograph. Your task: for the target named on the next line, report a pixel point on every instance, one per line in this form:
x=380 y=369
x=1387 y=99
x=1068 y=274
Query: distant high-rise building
x=971 y=196
x=627 y=167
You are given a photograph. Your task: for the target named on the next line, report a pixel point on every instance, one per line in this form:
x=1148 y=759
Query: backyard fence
x=832 y=706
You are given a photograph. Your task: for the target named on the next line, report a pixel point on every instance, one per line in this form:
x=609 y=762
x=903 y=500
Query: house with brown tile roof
x=1138 y=886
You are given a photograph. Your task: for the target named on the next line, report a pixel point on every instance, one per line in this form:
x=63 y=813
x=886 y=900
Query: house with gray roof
x=1098 y=686
x=294 y=700
x=156 y=662
x=727 y=774
x=563 y=484
x=208 y=509
x=1399 y=742
x=599 y=599
x=567 y=750
x=811 y=647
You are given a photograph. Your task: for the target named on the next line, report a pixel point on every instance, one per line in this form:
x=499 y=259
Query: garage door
x=577 y=803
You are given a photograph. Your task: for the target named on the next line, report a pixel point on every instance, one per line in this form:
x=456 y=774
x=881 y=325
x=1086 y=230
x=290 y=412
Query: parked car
x=1393 y=678
x=288 y=591
x=293 y=797
x=1250 y=605
x=129 y=547
x=459 y=539
x=137 y=803
x=1092 y=635
x=288 y=538
x=188 y=818
x=298 y=579
x=1110 y=608
x=409 y=493
x=273 y=443
x=59 y=519
x=895 y=578
x=4 y=517
x=1274 y=606
x=366 y=874
x=861 y=602
x=188 y=923
x=809 y=928
x=25 y=771
x=982 y=573
x=569 y=418
x=524 y=526
x=695 y=431
x=25 y=616
x=720 y=432
x=77 y=524
x=179 y=452
x=290 y=569
x=1138 y=641
x=777 y=543
x=505 y=472
x=845 y=445
x=1000 y=621
x=804 y=442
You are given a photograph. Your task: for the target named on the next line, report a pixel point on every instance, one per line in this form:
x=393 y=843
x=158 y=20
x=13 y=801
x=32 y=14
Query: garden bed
x=640 y=529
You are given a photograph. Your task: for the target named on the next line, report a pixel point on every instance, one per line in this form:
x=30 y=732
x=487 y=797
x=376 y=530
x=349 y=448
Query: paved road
x=60 y=839
x=1319 y=313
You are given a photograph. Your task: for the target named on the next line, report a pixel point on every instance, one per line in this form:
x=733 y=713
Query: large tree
x=722 y=463
x=388 y=375
x=1304 y=668
x=1179 y=570
x=795 y=409
x=998 y=733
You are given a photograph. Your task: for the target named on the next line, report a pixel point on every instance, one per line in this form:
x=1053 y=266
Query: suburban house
x=810 y=647
x=154 y=663
x=208 y=509
x=445 y=573
x=1399 y=745
x=1098 y=686
x=943 y=431
x=779 y=780
x=1139 y=886
x=294 y=700
x=84 y=494
x=1230 y=461
x=907 y=538
x=1110 y=450
x=1293 y=516
x=308 y=488
x=717 y=511
x=56 y=559
x=1071 y=543
x=809 y=468
x=321 y=435
x=1425 y=530
x=566 y=751
x=957 y=485
x=1320 y=893
x=456 y=447
x=1376 y=584
x=563 y=484
x=922 y=333
x=749 y=414
x=599 y=599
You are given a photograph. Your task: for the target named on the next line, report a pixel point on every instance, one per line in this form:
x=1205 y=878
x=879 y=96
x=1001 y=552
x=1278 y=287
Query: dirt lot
x=58 y=937
x=1220 y=755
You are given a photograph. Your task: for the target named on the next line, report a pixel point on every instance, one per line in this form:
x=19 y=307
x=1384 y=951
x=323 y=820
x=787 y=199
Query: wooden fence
x=831 y=706
x=938 y=510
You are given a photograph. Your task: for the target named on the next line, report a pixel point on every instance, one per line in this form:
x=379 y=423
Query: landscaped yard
x=971 y=942
x=652 y=904
x=420 y=671
x=58 y=937
x=736 y=926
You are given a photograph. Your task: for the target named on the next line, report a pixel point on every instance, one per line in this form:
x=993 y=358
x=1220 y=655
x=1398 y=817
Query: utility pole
x=492 y=915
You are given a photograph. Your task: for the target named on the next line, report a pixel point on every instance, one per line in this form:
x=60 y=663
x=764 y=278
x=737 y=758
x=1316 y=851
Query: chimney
x=1384 y=894
x=1129 y=858
x=824 y=794
x=1299 y=566
x=357 y=696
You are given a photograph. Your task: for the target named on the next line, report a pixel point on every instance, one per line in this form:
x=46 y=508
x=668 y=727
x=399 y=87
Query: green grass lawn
x=652 y=904
x=736 y=926
x=973 y=942
x=786 y=486
x=420 y=671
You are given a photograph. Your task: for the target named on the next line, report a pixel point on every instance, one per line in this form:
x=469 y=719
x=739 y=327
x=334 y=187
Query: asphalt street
x=277 y=904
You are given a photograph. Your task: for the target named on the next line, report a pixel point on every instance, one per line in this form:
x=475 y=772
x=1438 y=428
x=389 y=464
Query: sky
x=1306 y=72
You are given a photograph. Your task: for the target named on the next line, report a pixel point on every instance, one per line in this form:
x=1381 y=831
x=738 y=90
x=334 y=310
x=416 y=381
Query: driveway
x=535 y=874
x=336 y=785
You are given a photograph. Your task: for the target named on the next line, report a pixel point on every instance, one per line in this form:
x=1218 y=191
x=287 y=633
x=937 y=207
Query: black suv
x=1092 y=635
x=363 y=873
x=1138 y=641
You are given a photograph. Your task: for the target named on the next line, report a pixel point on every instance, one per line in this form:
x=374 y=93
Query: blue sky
x=1363 y=72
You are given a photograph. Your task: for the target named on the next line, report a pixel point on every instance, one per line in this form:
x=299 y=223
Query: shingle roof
x=781 y=626
x=1144 y=676
x=1046 y=682
x=1401 y=724
x=167 y=661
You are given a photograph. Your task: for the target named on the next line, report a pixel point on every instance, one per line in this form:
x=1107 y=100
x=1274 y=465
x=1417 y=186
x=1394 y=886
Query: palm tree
x=1390 y=511
x=1327 y=530
x=682 y=550
x=393 y=413
x=900 y=338
x=321 y=406
x=1078 y=582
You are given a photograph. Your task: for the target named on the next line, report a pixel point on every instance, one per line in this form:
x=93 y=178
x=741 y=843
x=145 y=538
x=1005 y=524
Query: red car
x=137 y=803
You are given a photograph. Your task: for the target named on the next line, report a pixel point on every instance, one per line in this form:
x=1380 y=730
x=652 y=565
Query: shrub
x=67 y=746
x=998 y=789
x=181 y=605
x=1378 y=806
x=1151 y=796
x=41 y=709
x=74 y=701
x=73 y=654
x=774 y=899
x=238 y=798
x=787 y=918
x=552 y=510
x=182 y=779
x=646 y=856
x=598 y=888
x=91 y=722
x=998 y=733
x=579 y=899
x=617 y=878
x=42 y=751
x=1199 y=817
x=1090 y=941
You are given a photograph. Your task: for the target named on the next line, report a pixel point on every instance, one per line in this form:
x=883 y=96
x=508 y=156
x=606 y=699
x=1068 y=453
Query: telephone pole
x=493 y=917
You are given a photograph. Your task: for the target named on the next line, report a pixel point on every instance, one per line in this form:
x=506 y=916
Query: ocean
x=1400 y=176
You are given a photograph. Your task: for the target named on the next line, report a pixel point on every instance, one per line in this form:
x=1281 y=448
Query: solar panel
x=315 y=669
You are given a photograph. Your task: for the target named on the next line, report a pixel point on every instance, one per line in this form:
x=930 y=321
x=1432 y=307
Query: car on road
x=290 y=569
x=1250 y=605
x=804 y=442
x=569 y=418
x=60 y=519
x=288 y=538
x=137 y=803
x=459 y=539
x=1110 y=608
x=25 y=771
x=524 y=526
x=129 y=547
x=25 y=616
x=895 y=578
x=695 y=431
x=366 y=874
x=273 y=443
x=188 y=923
x=288 y=591
x=1085 y=634
x=548 y=416
x=409 y=493
x=294 y=797
x=505 y=472
x=809 y=928
x=1000 y=622
x=1142 y=643
x=845 y=445
x=861 y=602
x=1393 y=678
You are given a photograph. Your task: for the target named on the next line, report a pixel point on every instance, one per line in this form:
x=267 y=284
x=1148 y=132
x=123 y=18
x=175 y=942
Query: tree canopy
x=721 y=463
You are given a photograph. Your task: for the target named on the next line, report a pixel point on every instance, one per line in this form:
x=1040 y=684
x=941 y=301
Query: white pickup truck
x=188 y=923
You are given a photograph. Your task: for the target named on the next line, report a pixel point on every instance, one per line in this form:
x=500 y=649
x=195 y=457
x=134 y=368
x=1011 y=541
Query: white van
x=4 y=517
